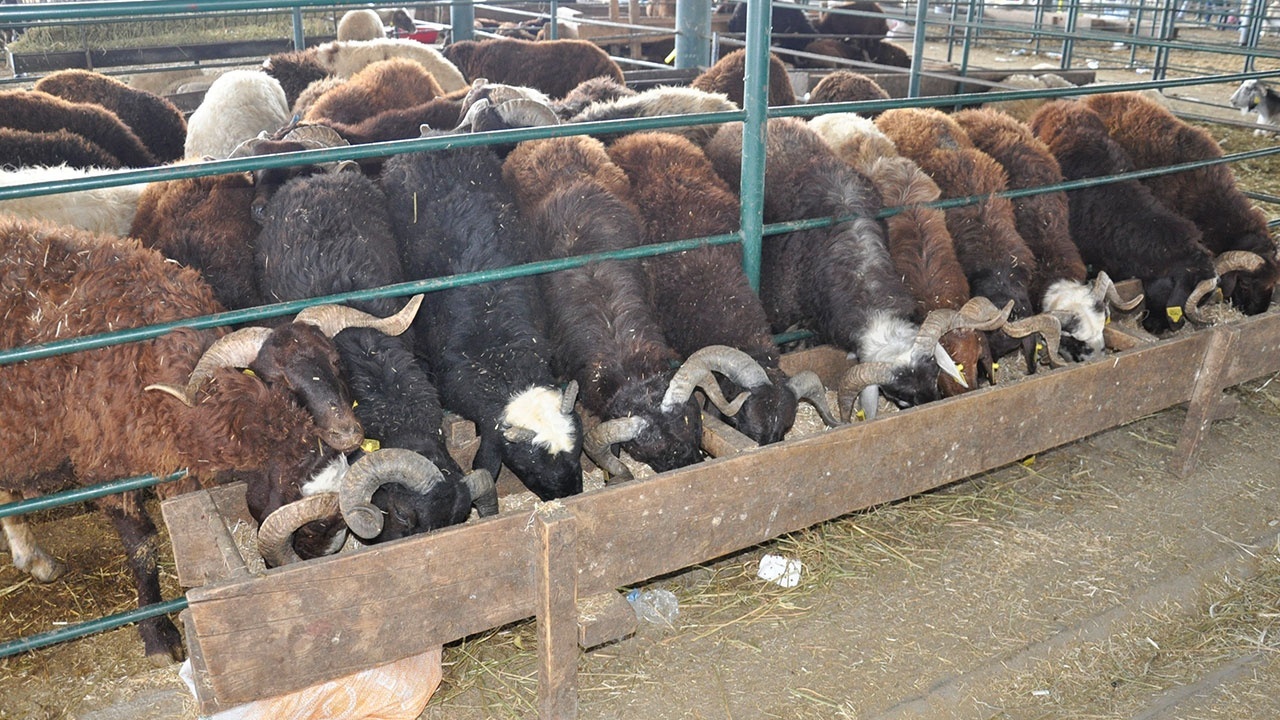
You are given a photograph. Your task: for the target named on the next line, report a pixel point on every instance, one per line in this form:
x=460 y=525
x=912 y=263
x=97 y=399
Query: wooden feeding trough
x=255 y=636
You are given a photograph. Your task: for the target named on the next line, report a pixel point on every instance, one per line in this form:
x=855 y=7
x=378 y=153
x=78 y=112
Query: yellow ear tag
x=1035 y=356
x=860 y=415
x=960 y=367
x=670 y=58
x=249 y=372
x=1107 y=321
x=354 y=404
x=1174 y=313
x=370 y=445
x=1029 y=461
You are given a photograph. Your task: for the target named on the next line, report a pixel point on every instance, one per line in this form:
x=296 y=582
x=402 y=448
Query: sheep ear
x=943 y=358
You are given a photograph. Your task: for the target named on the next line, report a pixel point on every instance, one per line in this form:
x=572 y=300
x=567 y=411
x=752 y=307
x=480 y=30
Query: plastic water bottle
x=659 y=607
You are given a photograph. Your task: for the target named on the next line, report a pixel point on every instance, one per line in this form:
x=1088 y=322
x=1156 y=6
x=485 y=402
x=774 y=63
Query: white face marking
x=327 y=479
x=538 y=409
x=1072 y=297
x=887 y=339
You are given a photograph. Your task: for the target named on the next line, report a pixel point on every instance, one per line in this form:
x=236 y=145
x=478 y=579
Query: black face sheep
x=88 y=411
x=726 y=77
x=485 y=343
x=295 y=71
x=152 y=118
x=22 y=148
x=840 y=280
x=996 y=261
x=603 y=329
x=1119 y=227
x=240 y=104
x=205 y=223
x=40 y=112
x=555 y=66
x=702 y=297
x=1058 y=284
x=380 y=86
x=292 y=138
x=346 y=58
x=1207 y=196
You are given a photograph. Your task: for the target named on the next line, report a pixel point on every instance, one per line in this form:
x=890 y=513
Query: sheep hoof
x=44 y=568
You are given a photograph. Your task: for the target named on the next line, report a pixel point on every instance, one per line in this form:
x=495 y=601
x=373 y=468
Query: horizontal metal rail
x=84 y=494
x=90 y=627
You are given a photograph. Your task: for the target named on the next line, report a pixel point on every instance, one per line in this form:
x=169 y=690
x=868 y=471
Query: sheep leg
x=28 y=556
x=160 y=637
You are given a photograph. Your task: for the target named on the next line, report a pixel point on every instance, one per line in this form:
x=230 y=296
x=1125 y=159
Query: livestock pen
x=628 y=534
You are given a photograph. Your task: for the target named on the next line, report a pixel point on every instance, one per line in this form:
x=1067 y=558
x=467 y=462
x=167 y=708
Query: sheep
x=1023 y=108
x=1153 y=137
x=784 y=20
x=329 y=233
x=847 y=86
x=345 y=59
x=293 y=138
x=363 y=24
x=85 y=418
x=839 y=279
x=402 y=123
x=1058 y=284
x=311 y=93
x=660 y=101
x=240 y=105
x=380 y=86
x=855 y=26
x=21 y=148
x=450 y=214
x=555 y=66
x=295 y=71
x=205 y=223
x=589 y=92
x=919 y=243
x=1256 y=96
x=1120 y=228
x=106 y=211
x=702 y=297
x=726 y=76
x=41 y=112
x=155 y=120
x=996 y=260
x=603 y=330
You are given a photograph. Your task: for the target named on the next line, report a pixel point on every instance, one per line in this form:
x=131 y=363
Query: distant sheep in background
x=153 y=119
x=662 y=101
x=847 y=86
x=61 y=147
x=108 y=211
x=1023 y=109
x=783 y=19
x=726 y=76
x=380 y=86
x=361 y=24
x=40 y=112
x=296 y=71
x=555 y=66
x=345 y=59
x=241 y=104
x=1255 y=96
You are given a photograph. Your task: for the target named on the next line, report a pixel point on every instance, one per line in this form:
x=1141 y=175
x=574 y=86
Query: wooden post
x=557 y=612
x=1206 y=400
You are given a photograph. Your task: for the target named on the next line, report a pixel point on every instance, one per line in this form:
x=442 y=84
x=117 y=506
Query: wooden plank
x=203 y=547
x=719 y=439
x=1119 y=337
x=557 y=598
x=1205 y=398
x=317 y=620
x=603 y=618
x=1260 y=355
x=205 y=695
x=828 y=361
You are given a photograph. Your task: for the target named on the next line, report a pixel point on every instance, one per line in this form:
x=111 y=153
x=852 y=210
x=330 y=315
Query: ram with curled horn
x=293 y=138
x=922 y=363
x=1227 y=267
x=448 y=501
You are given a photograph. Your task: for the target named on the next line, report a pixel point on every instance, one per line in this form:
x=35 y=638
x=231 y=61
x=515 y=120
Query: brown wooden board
x=604 y=618
x=203 y=547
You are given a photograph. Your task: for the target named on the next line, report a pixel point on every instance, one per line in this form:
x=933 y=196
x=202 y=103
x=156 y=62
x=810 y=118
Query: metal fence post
x=693 y=33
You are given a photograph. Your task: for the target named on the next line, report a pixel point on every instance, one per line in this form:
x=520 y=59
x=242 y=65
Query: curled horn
x=333 y=319
x=372 y=472
x=248 y=147
x=1237 y=261
x=598 y=444
x=1192 y=306
x=1104 y=288
x=861 y=377
x=484 y=492
x=275 y=537
x=979 y=313
x=519 y=434
x=524 y=112
x=237 y=349
x=1049 y=327
x=806 y=385
x=569 y=397
x=316 y=136
x=696 y=372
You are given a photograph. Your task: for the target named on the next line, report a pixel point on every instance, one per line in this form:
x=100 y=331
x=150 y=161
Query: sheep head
x=295 y=138
x=1082 y=312
x=1247 y=279
x=394 y=493
x=542 y=440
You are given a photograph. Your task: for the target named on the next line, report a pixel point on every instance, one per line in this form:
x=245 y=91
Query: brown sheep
x=402 y=123
x=555 y=66
x=529 y=169
x=205 y=223
x=1208 y=196
x=380 y=86
x=23 y=148
x=726 y=76
x=41 y=112
x=152 y=118
x=847 y=86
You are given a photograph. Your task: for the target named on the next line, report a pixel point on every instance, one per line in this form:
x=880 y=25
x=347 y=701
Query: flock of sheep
x=926 y=299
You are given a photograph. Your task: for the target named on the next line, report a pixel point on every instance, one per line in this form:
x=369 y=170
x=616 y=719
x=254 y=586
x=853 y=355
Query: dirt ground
x=1086 y=582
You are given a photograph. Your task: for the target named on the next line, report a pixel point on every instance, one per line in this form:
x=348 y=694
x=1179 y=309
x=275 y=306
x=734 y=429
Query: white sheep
x=107 y=211
x=361 y=25
x=1254 y=96
x=346 y=58
x=239 y=105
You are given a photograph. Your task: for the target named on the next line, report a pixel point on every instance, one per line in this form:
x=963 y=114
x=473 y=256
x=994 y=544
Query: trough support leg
x=1206 y=401
x=557 y=589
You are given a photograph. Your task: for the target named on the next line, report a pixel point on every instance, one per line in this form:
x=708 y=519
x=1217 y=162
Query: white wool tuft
x=328 y=479
x=538 y=409
x=1068 y=296
x=887 y=339
x=108 y=211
